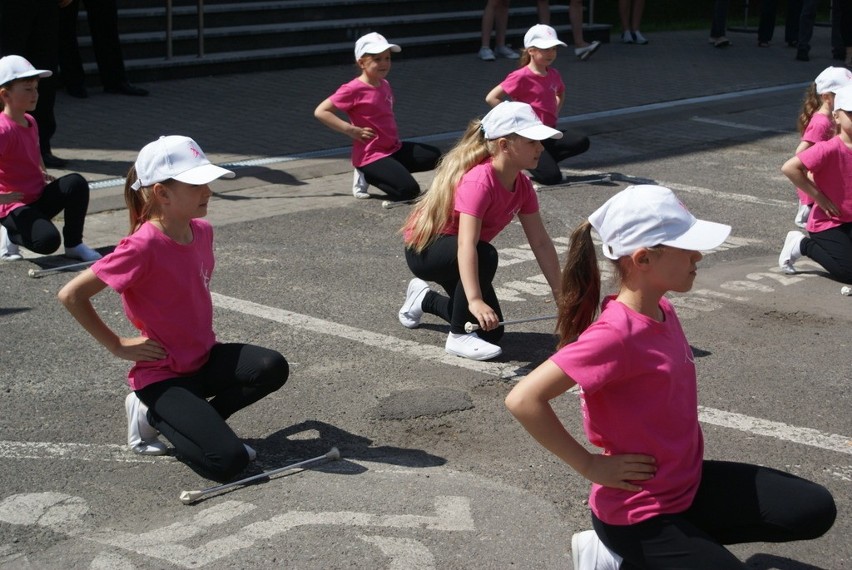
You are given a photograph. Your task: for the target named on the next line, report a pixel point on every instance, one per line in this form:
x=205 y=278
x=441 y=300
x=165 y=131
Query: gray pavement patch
x=407 y=404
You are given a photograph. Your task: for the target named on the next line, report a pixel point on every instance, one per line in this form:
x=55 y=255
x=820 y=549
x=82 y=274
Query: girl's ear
x=641 y=258
x=160 y=192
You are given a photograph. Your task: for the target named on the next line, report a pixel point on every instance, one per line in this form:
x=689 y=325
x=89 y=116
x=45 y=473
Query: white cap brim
x=702 y=236
x=203 y=174
x=547 y=44
x=539 y=133
x=33 y=73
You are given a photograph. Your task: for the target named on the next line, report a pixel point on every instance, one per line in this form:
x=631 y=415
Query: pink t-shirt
x=830 y=163
x=369 y=106
x=539 y=92
x=481 y=195
x=639 y=394
x=20 y=162
x=820 y=128
x=165 y=290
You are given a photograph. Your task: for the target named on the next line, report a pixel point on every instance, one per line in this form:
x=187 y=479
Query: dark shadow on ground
x=771 y=562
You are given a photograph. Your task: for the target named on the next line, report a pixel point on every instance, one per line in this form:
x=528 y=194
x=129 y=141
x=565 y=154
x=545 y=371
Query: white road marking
x=405 y=553
x=733 y=125
x=78 y=451
x=778 y=430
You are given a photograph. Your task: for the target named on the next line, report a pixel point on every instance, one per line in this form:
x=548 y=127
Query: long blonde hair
x=435 y=208
x=141 y=205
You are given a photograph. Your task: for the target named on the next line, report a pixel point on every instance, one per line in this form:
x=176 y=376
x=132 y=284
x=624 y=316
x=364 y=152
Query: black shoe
x=78 y=91
x=802 y=55
x=52 y=161
x=126 y=89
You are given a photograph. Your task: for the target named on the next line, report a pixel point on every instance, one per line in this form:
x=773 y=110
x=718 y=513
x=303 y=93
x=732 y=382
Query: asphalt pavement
x=434 y=474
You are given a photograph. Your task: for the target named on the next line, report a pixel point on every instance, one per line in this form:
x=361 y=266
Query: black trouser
x=235 y=376
x=102 y=16
x=30 y=225
x=439 y=263
x=29 y=28
x=832 y=249
x=735 y=503
x=572 y=143
x=392 y=174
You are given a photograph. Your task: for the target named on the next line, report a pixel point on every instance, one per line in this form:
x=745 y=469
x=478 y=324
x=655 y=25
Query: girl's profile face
x=376 y=66
x=523 y=152
x=185 y=201
x=844 y=121
x=542 y=57
x=21 y=96
x=672 y=268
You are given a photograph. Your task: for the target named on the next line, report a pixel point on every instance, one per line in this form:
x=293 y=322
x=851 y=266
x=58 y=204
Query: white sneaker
x=627 y=38
x=359 y=185
x=639 y=38
x=141 y=436
x=485 y=54
x=412 y=310
x=251 y=452
x=589 y=553
x=8 y=251
x=584 y=52
x=791 y=251
x=802 y=215
x=82 y=252
x=471 y=346
x=506 y=51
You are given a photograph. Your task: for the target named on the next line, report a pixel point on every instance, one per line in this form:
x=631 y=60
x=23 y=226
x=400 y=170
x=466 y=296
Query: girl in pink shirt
x=824 y=173
x=816 y=122
x=379 y=157
x=478 y=190
x=655 y=502
x=184 y=383
x=540 y=85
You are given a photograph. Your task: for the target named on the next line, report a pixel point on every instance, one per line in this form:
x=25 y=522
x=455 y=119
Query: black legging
x=235 y=376
x=833 y=250
x=572 y=143
x=392 y=174
x=439 y=263
x=735 y=503
x=30 y=225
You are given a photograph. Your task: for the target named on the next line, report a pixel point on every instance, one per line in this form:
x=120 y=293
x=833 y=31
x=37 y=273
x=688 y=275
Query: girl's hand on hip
x=827 y=205
x=139 y=349
x=621 y=471
x=485 y=315
x=362 y=133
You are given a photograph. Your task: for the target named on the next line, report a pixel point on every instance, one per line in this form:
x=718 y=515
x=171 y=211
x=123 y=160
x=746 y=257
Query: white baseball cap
x=373 y=43
x=175 y=157
x=647 y=216
x=831 y=79
x=542 y=37
x=843 y=99
x=513 y=117
x=14 y=67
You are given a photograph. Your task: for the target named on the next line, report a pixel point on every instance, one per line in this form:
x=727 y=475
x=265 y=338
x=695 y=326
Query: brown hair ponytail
x=581 y=286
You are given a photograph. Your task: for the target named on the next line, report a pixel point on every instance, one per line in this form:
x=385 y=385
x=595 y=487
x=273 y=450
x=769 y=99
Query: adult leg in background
x=766 y=25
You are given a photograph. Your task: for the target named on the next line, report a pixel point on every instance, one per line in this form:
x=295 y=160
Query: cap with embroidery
x=647 y=216
x=14 y=67
x=178 y=158
x=831 y=79
x=513 y=117
x=542 y=37
x=373 y=43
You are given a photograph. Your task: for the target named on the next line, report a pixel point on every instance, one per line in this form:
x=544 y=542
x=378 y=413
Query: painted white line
x=454 y=135
x=730 y=196
x=733 y=125
x=78 y=451
x=383 y=341
x=778 y=430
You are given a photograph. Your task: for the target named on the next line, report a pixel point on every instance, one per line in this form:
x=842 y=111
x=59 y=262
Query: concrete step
x=265 y=35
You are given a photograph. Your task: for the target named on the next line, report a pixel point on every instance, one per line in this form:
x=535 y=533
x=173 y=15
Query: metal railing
x=169 y=29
